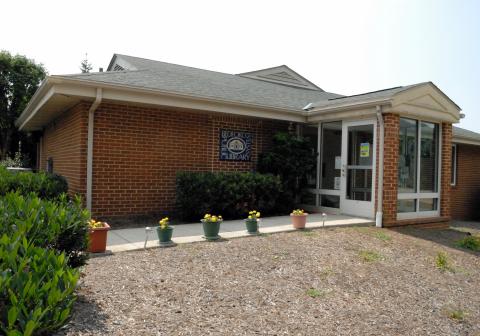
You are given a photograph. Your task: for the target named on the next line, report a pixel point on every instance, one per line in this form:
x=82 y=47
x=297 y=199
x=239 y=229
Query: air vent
x=118 y=68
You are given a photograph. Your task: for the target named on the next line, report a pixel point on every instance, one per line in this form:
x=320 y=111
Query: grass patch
x=442 y=261
x=314 y=293
x=457 y=315
x=370 y=256
x=382 y=236
x=325 y=273
x=309 y=233
x=469 y=243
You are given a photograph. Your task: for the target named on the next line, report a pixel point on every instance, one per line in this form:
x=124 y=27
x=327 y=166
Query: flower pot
x=252 y=226
x=165 y=235
x=299 y=221
x=98 y=239
x=211 y=229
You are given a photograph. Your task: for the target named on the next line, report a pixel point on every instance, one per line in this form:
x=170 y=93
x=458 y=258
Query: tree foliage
x=85 y=65
x=19 y=79
x=292 y=158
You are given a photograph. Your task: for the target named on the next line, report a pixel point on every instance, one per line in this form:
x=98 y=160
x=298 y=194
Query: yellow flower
x=257 y=214
x=250 y=217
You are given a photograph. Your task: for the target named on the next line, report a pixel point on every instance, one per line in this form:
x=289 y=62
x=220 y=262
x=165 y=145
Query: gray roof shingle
x=465 y=134
x=208 y=84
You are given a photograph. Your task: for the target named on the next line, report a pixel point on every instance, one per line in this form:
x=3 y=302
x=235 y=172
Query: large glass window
x=428 y=157
x=418 y=167
x=407 y=163
x=311 y=134
x=453 y=179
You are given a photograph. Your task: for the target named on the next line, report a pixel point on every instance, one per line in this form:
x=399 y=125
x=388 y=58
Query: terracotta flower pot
x=211 y=229
x=252 y=226
x=299 y=221
x=98 y=239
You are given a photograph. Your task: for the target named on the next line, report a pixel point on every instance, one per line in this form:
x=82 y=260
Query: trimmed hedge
x=230 y=194
x=36 y=288
x=61 y=225
x=44 y=185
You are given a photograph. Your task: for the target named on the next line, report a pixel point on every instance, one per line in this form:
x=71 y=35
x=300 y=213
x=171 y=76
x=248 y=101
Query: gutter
x=91 y=118
x=372 y=103
x=379 y=214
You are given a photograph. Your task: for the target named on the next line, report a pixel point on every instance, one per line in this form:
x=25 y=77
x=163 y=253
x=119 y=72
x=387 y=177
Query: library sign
x=235 y=145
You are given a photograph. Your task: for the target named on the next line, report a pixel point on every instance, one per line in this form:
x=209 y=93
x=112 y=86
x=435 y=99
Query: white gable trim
x=281 y=75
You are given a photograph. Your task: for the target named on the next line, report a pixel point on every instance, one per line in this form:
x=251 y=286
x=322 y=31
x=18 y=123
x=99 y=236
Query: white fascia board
x=457 y=140
x=348 y=106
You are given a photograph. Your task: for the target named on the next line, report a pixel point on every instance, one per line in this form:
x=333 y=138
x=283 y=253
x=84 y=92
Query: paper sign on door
x=364 y=149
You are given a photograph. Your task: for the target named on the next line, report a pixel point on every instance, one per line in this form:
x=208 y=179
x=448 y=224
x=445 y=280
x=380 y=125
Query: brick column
x=390 y=168
x=446 y=160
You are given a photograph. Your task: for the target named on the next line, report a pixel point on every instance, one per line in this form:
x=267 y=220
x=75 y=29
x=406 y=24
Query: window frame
x=453 y=177
x=417 y=195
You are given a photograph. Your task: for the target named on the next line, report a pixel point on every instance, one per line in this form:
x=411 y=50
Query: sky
x=346 y=47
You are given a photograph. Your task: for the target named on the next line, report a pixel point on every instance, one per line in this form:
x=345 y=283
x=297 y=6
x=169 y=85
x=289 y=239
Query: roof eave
x=55 y=82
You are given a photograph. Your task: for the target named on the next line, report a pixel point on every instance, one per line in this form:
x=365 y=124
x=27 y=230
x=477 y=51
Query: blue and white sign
x=235 y=145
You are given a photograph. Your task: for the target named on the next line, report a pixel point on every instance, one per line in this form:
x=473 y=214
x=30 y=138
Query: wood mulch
x=343 y=281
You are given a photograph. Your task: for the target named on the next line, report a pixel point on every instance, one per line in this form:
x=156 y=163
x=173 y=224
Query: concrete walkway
x=134 y=239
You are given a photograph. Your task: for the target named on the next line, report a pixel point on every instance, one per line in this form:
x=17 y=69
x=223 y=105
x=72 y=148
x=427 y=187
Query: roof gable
x=281 y=75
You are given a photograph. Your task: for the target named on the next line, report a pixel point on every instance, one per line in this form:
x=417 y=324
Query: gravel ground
x=344 y=281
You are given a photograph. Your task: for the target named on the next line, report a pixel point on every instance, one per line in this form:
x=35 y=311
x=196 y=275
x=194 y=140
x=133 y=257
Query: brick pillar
x=446 y=160
x=390 y=168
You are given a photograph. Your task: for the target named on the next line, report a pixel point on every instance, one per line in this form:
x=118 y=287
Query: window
x=418 y=168
x=453 y=178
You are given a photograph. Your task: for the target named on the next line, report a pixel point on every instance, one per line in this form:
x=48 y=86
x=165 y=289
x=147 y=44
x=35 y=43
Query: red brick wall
x=65 y=141
x=465 y=195
x=137 y=152
x=446 y=170
x=390 y=168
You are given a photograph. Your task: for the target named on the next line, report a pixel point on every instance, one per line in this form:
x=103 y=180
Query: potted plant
x=211 y=226
x=299 y=218
x=98 y=236
x=164 y=232
x=252 y=222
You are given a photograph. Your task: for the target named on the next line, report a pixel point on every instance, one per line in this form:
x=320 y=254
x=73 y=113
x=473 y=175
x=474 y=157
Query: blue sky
x=345 y=47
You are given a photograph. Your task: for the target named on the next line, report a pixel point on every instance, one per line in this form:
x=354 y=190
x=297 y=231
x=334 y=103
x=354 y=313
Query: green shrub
x=293 y=159
x=61 y=225
x=42 y=184
x=230 y=194
x=470 y=243
x=36 y=287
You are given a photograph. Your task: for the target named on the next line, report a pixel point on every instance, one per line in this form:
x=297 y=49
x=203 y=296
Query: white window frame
x=454 y=172
x=422 y=195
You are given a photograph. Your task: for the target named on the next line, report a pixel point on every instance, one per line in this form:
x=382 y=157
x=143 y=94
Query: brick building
x=120 y=136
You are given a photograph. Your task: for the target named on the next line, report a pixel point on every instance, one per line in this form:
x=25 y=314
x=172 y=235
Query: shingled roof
x=168 y=77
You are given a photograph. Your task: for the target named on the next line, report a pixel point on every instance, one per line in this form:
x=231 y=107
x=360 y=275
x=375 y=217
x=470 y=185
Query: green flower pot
x=165 y=235
x=252 y=226
x=211 y=229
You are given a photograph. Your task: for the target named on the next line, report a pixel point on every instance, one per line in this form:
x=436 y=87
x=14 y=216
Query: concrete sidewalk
x=134 y=239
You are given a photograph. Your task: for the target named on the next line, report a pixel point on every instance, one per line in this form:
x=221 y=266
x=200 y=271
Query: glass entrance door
x=358 y=173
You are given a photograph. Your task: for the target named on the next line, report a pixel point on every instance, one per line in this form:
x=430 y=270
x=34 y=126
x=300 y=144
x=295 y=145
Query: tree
x=85 y=66
x=19 y=79
x=292 y=158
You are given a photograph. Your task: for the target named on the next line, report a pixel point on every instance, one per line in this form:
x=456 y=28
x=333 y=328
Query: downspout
x=379 y=214
x=91 y=114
